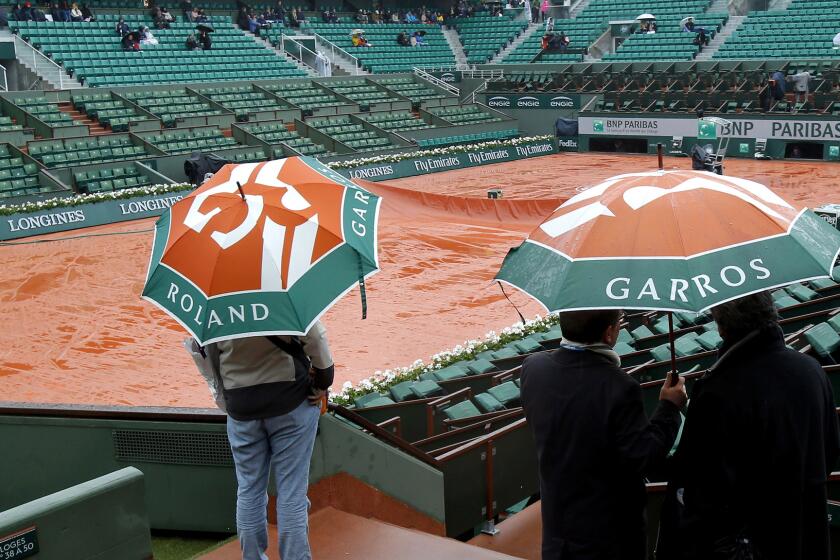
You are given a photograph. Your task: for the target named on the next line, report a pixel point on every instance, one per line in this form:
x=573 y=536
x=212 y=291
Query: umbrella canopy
x=269 y=257
x=671 y=241
x=205 y=27
x=357 y=32
x=645 y=17
x=685 y=20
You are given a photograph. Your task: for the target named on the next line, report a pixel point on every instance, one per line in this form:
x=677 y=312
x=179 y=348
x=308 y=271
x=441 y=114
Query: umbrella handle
x=674 y=375
x=362 y=290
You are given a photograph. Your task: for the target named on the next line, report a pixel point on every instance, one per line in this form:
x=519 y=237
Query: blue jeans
x=283 y=443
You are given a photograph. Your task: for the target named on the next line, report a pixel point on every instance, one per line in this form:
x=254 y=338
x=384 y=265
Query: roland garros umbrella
x=669 y=241
x=262 y=248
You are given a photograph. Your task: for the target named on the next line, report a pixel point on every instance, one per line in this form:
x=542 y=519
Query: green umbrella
x=669 y=241
x=262 y=249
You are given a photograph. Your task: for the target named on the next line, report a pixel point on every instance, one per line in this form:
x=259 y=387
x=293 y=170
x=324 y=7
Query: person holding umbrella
x=247 y=264
x=204 y=31
x=759 y=441
x=594 y=442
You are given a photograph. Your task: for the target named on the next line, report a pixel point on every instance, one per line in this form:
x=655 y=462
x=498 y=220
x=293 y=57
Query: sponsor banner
x=450 y=77
x=420 y=166
x=16 y=226
x=771 y=129
x=533 y=101
x=567 y=143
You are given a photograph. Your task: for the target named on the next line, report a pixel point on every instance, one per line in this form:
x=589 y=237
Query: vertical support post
x=489 y=525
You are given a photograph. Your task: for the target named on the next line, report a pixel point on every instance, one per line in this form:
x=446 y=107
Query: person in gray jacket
x=273 y=387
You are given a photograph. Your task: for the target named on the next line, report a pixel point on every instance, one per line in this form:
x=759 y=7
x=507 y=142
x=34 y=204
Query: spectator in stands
x=419 y=39
x=325 y=15
x=293 y=18
x=410 y=17
x=55 y=13
x=836 y=41
x=760 y=438
x=4 y=17
x=192 y=43
x=801 y=81
x=242 y=20
x=130 y=42
x=403 y=40
x=87 y=14
x=65 y=10
x=544 y=8
x=358 y=40
x=562 y=42
x=273 y=406
x=199 y=16
x=122 y=29
x=75 y=12
x=395 y=17
x=777 y=85
x=159 y=18
x=146 y=37
x=594 y=442
x=204 y=39
x=186 y=9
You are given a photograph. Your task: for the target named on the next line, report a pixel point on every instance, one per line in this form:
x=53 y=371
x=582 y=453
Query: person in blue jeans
x=273 y=387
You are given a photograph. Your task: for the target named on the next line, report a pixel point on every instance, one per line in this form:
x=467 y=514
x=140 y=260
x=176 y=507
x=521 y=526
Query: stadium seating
x=396 y=122
x=362 y=92
x=468 y=138
x=351 y=133
x=7 y=125
x=804 y=30
x=386 y=55
x=111 y=179
x=108 y=110
x=170 y=105
x=580 y=33
x=415 y=91
x=307 y=96
x=184 y=142
x=464 y=114
x=277 y=133
x=16 y=177
x=80 y=151
x=484 y=35
x=45 y=110
x=91 y=52
x=243 y=100
x=669 y=42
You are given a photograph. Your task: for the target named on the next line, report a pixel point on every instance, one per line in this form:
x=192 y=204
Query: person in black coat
x=759 y=440
x=594 y=441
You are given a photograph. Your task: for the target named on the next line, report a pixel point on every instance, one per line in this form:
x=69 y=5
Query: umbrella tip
x=241 y=192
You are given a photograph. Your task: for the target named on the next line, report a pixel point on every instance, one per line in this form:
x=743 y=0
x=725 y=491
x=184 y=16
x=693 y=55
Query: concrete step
x=732 y=24
x=530 y=30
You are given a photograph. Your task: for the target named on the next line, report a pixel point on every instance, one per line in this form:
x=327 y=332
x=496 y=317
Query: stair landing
x=519 y=535
x=335 y=535
x=94 y=128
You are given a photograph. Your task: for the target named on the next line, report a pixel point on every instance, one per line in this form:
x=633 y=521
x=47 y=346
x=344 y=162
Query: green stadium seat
x=464 y=409
x=450 y=372
x=506 y=393
x=480 y=365
x=526 y=346
x=402 y=391
x=709 y=340
x=802 y=292
x=503 y=353
x=823 y=339
x=372 y=399
x=622 y=348
x=488 y=403
x=425 y=389
x=641 y=332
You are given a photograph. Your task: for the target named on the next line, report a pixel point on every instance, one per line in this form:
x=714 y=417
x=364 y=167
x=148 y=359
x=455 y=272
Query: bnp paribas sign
x=534 y=101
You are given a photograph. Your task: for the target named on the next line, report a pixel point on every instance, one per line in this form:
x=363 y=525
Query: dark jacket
x=594 y=443
x=759 y=439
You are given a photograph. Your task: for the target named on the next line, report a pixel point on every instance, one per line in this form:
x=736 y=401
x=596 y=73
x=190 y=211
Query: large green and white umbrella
x=670 y=241
x=262 y=249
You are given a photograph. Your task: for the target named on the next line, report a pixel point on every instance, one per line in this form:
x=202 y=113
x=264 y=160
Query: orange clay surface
x=75 y=330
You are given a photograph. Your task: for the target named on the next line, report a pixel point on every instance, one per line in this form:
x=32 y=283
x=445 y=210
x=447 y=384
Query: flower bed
x=457 y=149
x=79 y=199
x=381 y=381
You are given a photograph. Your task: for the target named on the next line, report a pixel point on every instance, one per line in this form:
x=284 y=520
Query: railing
x=331 y=49
x=4 y=84
x=41 y=63
x=422 y=73
x=306 y=56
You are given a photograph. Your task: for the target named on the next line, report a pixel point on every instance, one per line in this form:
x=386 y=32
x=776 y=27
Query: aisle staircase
x=732 y=24
x=39 y=64
x=530 y=30
x=719 y=7
x=454 y=42
x=264 y=40
x=94 y=127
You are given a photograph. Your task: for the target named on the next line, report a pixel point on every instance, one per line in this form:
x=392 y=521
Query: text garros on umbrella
x=732 y=276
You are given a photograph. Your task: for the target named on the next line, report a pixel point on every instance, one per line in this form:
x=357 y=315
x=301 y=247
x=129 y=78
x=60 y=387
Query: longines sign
x=16 y=226
x=533 y=101
x=771 y=129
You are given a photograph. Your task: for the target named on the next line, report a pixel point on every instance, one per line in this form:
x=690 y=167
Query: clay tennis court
x=76 y=331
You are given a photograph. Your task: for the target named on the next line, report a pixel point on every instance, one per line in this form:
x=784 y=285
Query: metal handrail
x=300 y=50
x=44 y=59
x=336 y=49
x=5 y=85
x=421 y=73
